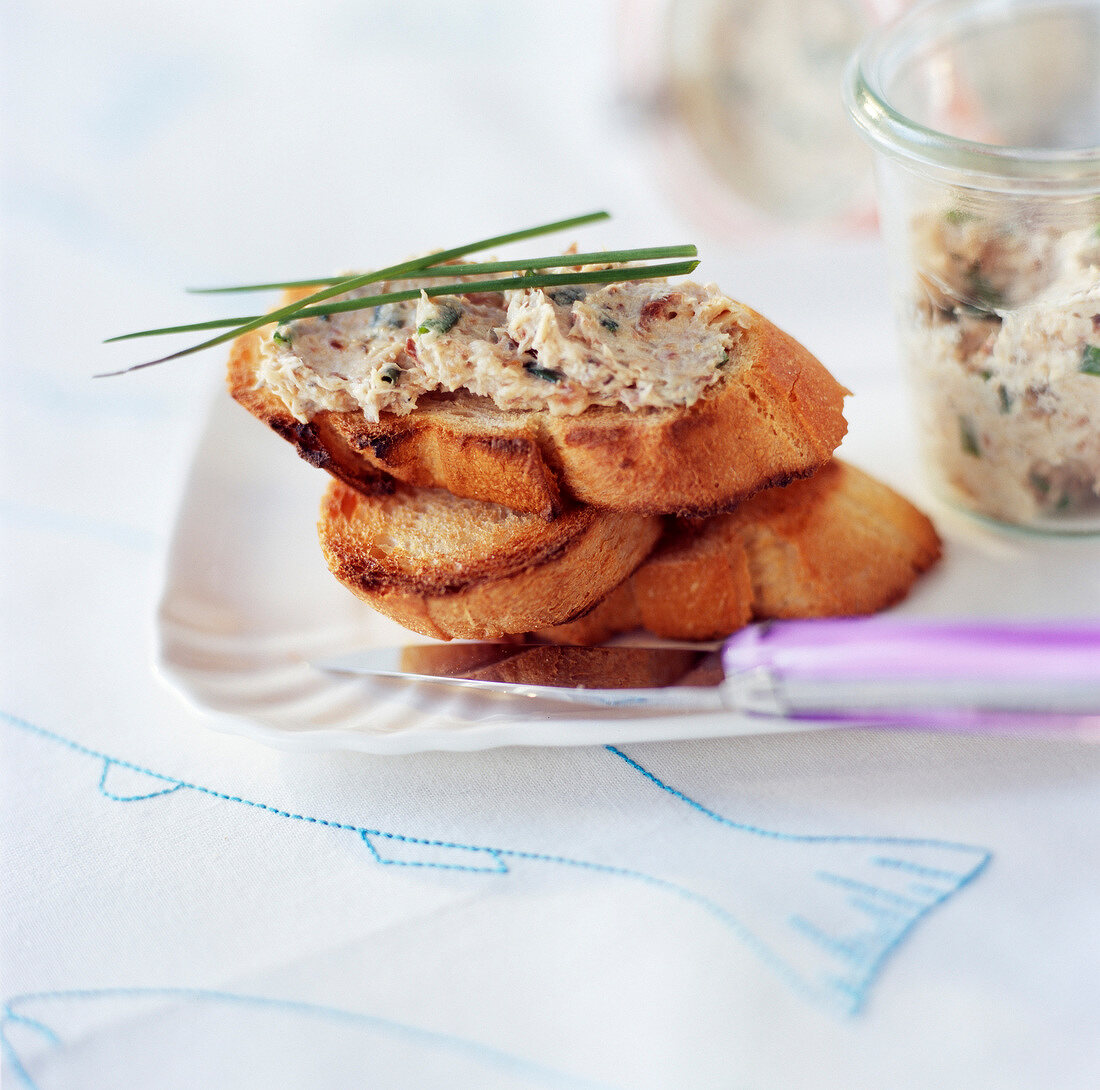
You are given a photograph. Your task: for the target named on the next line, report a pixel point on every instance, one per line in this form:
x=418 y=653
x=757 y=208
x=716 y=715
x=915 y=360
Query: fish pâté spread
x=633 y=344
x=1005 y=338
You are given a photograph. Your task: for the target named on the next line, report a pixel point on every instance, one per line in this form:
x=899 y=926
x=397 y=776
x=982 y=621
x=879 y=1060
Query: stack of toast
x=461 y=519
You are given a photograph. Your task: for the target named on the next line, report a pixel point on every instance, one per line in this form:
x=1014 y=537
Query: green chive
x=1040 y=484
x=537 y=280
x=316 y=282
x=1090 y=360
x=566 y=297
x=601 y=257
x=553 y=261
x=514 y=283
x=984 y=297
x=445 y=320
x=545 y=373
x=969 y=437
x=393 y=272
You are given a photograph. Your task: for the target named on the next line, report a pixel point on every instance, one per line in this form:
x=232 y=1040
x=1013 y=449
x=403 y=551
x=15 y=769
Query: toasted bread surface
x=836 y=544
x=843 y=544
x=449 y=567
x=776 y=416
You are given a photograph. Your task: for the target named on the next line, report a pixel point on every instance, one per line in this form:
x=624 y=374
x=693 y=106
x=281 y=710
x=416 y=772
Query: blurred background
x=331 y=107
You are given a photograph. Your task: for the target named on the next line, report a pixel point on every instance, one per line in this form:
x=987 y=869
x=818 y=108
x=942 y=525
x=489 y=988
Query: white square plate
x=248 y=602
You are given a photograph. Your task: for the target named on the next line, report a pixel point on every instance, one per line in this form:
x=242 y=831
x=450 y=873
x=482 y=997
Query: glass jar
x=985 y=119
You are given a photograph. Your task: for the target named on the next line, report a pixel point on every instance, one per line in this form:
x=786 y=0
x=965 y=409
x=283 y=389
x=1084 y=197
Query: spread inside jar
x=1004 y=340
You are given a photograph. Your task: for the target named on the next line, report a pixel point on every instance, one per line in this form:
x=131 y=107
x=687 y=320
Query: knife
x=887 y=671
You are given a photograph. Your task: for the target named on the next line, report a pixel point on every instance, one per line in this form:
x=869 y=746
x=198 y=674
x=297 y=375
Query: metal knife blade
x=890 y=671
x=666 y=677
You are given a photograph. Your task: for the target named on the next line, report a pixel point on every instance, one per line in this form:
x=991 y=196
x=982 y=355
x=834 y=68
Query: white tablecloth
x=187 y=908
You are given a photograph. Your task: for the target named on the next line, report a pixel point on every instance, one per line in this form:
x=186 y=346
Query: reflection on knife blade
x=564 y=666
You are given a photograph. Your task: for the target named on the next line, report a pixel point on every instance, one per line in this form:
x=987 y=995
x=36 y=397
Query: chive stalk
x=319 y=308
x=968 y=437
x=596 y=276
x=553 y=261
x=393 y=272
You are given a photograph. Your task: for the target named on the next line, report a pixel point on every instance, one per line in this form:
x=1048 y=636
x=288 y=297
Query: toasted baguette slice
x=451 y=567
x=775 y=417
x=836 y=544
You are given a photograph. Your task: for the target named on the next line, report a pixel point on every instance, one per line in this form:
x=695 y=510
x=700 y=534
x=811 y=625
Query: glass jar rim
x=1076 y=169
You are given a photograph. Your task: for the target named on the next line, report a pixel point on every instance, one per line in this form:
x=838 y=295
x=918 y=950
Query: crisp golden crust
x=450 y=567
x=777 y=417
x=319 y=442
x=842 y=543
x=837 y=544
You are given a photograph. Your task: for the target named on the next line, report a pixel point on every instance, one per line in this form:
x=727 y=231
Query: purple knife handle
x=867 y=667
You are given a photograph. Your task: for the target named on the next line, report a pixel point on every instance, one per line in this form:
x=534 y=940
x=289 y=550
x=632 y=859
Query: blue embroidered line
x=746 y=936
x=366 y=833
x=875 y=966
x=903 y=921
x=482 y=1053
x=841 y=985
x=869 y=890
x=9 y=1052
x=498 y=864
x=794 y=838
x=854 y=952
x=22 y=1019
x=13 y=1059
x=173 y=785
x=875 y=910
x=914 y=868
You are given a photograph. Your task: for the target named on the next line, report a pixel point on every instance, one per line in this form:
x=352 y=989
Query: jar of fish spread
x=985 y=117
